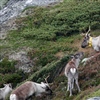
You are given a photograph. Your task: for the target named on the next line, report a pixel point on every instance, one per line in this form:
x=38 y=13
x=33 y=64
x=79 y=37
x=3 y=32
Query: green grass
x=88 y=93
x=94 y=94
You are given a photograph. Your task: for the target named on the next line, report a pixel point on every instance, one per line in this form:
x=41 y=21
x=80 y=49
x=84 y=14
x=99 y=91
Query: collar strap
x=90 y=42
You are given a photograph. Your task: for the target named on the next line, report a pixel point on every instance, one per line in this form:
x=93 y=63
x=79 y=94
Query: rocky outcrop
x=24 y=63
x=4 y=28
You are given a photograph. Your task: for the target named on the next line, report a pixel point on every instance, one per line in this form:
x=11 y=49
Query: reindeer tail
x=13 y=97
x=73 y=70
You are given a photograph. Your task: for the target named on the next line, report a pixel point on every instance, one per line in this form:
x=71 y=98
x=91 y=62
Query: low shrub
x=8 y=73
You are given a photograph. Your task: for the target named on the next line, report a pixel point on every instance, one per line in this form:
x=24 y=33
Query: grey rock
x=94 y=98
x=23 y=61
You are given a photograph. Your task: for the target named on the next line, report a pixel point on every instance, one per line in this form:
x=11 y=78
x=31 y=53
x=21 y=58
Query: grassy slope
x=51 y=32
x=52 y=26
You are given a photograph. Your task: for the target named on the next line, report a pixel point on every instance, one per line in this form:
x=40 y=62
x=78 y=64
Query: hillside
x=48 y=35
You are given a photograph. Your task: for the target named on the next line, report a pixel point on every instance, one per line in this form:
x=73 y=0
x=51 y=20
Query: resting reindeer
x=71 y=71
x=91 y=42
x=28 y=89
x=5 y=91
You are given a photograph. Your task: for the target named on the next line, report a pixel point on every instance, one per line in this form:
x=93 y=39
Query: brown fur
x=71 y=64
x=22 y=90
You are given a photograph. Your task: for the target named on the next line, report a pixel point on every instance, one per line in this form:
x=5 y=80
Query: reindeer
x=91 y=42
x=71 y=71
x=29 y=88
x=5 y=91
x=95 y=58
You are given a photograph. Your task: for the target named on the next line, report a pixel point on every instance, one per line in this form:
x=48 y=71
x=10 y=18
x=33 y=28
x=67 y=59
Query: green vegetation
x=86 y=94
x=97 y=93
x=52 y=25
x=48 y=34
x=54 y=67
x=8 y=73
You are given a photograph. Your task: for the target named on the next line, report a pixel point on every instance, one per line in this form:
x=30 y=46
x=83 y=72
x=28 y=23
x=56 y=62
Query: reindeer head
x=8 y=86
x=46 y=87
x=78 y=55
x=86 y=39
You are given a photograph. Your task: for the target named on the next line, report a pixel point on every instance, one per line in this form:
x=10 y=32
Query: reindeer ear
x=42 y=83
x=71 y=55
x=82 y=34
x=10 y=85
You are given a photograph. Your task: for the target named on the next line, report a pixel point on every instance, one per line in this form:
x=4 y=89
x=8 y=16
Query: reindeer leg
x=72 y=83
x=76 y=80
x=70 y=88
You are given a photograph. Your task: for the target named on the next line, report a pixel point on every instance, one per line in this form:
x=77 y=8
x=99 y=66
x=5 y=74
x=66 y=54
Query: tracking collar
x=90 y=42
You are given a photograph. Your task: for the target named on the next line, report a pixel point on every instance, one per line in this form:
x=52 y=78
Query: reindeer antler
x=46 y=78
x=88 y=30
x=84 y=34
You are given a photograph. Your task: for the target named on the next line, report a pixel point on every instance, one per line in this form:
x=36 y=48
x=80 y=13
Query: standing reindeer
x=92 y=42
x=71 y=71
